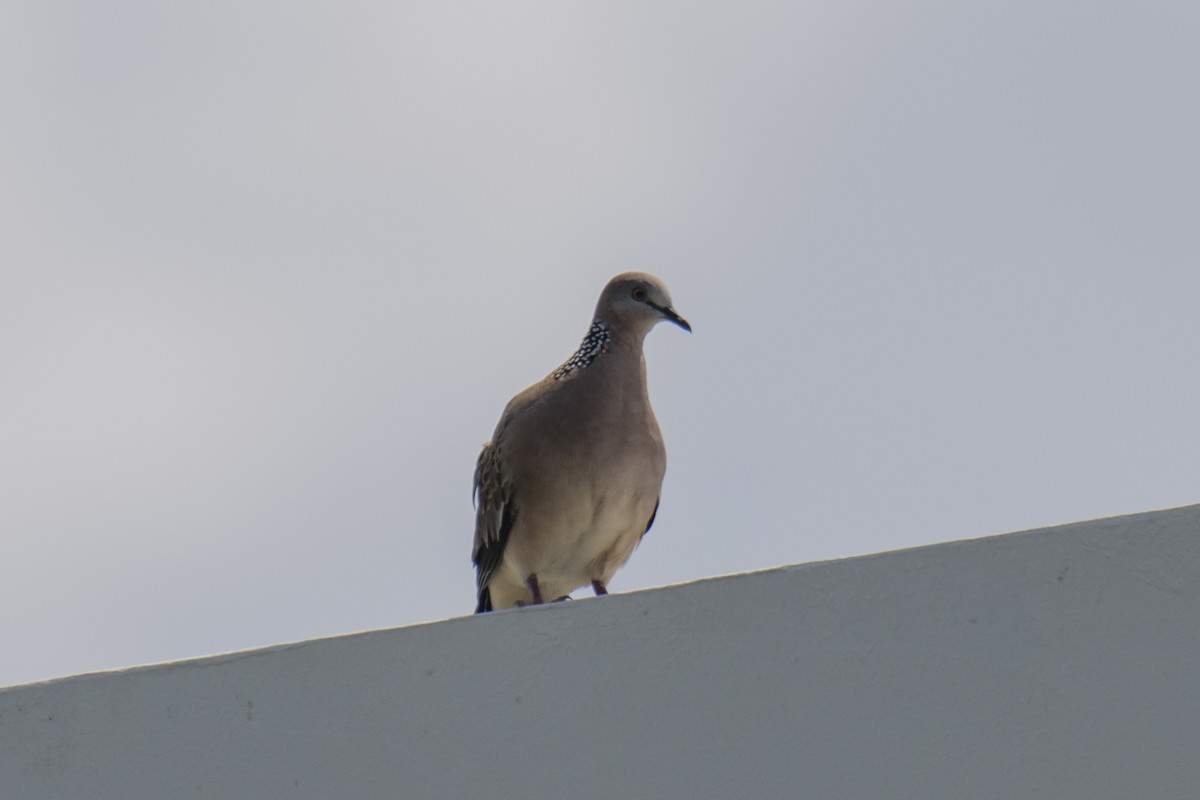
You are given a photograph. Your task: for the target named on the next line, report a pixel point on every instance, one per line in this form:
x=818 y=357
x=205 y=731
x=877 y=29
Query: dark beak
x=673 y=315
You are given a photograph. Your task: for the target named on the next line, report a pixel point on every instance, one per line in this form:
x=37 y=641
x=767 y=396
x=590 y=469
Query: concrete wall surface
x=1059 y=663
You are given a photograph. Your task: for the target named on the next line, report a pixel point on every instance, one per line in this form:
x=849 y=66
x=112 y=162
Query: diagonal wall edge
x=1057 y=663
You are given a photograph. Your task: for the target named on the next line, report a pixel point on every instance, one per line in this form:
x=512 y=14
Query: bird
x=570 y=481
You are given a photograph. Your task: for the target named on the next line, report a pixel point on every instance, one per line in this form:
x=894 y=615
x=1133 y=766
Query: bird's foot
x=599 y=588
x=564 y=597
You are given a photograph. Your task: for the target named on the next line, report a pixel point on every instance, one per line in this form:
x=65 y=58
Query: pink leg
x=599 y=588
x=534 y=591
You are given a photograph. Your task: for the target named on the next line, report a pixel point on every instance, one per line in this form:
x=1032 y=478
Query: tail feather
x=485 y=601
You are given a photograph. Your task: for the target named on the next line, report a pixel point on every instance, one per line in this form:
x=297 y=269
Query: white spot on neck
x=594 y=345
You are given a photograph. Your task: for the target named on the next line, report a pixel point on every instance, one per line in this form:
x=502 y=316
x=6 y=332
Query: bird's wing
x=653 y=514
x=494 y=515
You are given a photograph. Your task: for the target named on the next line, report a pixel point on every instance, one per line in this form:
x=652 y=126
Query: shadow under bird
x=570 y=481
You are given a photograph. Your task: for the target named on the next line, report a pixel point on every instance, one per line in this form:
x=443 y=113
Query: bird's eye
x=639 y=293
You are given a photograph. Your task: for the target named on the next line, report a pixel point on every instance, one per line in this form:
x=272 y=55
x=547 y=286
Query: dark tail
x=485 y=601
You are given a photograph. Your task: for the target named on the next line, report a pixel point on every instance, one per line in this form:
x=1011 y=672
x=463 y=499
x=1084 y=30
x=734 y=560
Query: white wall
x=1060 y=663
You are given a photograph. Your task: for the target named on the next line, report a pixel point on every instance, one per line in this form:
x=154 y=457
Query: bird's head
x=637 y=301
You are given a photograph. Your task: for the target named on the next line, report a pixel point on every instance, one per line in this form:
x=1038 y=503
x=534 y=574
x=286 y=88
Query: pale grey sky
x=271 y=271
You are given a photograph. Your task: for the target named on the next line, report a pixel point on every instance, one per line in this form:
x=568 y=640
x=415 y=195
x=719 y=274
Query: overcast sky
x=271 y=271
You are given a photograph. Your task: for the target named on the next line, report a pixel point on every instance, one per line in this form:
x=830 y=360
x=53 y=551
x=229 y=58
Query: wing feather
x=494 y=515
x=653 y=514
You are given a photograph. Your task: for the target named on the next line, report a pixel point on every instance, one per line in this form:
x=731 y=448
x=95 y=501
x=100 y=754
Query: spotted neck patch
x=593 y=346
